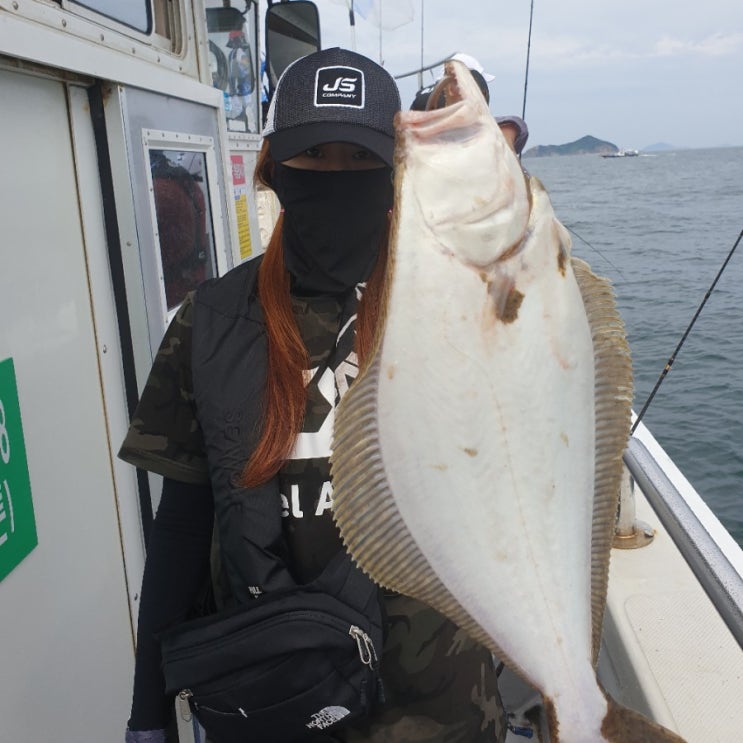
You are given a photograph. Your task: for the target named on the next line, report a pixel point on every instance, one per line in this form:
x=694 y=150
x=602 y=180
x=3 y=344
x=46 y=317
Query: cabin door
x=66 y=648
x=171 y=224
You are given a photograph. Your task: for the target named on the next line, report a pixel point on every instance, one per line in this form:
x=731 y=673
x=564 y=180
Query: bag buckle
x=184 y=707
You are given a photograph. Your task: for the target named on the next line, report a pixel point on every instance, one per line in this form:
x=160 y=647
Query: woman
x=238 y=412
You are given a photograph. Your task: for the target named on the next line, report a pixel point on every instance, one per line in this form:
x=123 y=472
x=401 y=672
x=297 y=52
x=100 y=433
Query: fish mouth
x=451 y=112
x=467 y=186
x=447 y=90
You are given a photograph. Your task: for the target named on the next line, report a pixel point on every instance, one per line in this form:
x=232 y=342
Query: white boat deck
x=667 y=651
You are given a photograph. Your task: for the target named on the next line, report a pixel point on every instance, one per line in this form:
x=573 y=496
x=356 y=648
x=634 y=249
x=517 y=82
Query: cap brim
x=291 y=142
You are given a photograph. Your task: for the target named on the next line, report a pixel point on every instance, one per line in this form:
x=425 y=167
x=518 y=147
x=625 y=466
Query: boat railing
x=708 y=560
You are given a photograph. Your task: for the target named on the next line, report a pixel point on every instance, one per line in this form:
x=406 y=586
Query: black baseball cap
x=334 y=95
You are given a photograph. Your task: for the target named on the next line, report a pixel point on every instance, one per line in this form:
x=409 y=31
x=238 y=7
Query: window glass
x=234 y=65
x=136 y=14
x=184 y=222
x=292 y=31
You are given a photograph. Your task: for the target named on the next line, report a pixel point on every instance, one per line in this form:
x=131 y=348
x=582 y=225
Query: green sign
x=17 y=523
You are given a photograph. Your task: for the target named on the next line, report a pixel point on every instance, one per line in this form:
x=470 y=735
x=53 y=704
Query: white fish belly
x=487 y=434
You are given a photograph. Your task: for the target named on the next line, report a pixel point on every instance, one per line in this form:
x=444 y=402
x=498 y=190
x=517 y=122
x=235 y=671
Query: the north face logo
x=339 y=86
x=326 y=717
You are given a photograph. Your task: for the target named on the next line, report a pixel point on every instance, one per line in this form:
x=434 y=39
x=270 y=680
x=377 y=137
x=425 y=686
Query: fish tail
x=623 y=725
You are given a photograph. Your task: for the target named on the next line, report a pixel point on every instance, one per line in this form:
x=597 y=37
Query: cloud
x=563 y=52
x=716 y=45
x=570 y=52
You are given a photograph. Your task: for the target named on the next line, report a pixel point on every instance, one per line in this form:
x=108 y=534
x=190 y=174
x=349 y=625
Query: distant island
x=584 y=146
x=589 y=145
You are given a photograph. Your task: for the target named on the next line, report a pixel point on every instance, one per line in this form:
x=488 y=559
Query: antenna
x=381 y=57
x=352 y=23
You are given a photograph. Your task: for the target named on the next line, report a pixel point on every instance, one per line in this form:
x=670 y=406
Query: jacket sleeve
x=176 y=569
x=165 y=436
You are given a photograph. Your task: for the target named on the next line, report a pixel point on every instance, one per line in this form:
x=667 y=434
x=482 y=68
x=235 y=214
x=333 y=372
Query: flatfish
x=477 y=458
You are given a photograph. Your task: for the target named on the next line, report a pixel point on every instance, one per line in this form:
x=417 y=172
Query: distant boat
x=622 y=153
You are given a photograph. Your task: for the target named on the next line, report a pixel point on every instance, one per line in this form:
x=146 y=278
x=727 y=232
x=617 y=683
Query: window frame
x=157 y=139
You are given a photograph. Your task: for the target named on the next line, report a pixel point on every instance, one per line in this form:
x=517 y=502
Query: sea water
x=660 y=226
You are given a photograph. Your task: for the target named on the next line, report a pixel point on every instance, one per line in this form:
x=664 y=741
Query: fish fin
x=623 y=725
x=613 y=406
x=368 y=518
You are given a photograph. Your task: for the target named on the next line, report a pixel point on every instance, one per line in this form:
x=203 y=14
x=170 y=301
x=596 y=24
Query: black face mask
x=334 y=221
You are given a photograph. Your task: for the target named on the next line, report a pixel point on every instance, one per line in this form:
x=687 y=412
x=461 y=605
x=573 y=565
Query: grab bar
x=719 y=578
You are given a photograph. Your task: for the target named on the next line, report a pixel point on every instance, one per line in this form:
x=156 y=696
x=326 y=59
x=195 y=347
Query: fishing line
x=670 y=361
x=594 y=248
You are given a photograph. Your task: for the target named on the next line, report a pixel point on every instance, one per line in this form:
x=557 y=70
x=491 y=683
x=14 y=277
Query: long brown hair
x=285 y=394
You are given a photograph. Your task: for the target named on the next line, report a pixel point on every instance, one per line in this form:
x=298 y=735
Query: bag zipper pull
x=183 y=706
x=381 y=698
x=366 y=647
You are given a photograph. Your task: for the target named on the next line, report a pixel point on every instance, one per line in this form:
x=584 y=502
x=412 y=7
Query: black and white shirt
x=327 y=327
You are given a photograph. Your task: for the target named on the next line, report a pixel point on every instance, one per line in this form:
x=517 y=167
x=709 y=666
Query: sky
x=629 y=72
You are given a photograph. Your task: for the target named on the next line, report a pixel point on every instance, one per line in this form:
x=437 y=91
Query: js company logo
x=339 y=86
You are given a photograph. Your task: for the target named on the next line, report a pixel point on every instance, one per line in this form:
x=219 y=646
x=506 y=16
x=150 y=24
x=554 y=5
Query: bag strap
x=344 y=580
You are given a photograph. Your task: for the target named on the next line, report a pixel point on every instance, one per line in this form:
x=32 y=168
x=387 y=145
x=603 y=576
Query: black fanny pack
x=286 y=668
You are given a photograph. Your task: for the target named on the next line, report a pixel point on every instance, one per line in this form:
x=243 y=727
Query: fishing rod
x=670 y=361
x=425 y=68
x=523 y=116
x=528 y=55
x=420 y=75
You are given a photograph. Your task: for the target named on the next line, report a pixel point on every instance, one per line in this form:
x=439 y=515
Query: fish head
x=465 y=180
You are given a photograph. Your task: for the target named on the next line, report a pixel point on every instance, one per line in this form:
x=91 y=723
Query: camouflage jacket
x=440 y=686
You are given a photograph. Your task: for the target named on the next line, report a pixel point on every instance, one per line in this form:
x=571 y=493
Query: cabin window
x=234 y=66
x=136 y=14
x=184 y=220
